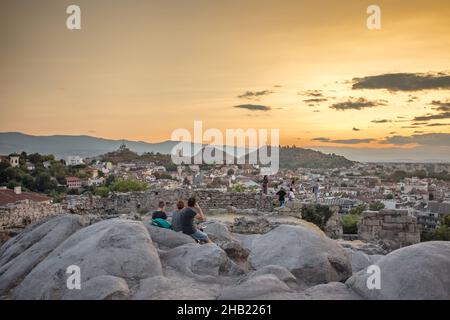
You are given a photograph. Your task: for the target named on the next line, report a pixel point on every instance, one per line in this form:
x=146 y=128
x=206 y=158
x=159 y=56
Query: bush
x=102 y=192
x=350 y=223
x=316 y=214
x=376 y=206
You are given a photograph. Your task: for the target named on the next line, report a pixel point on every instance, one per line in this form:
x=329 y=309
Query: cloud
x=357 y=104
x=439 y=116
x=356 y=129
x=441 y=106
x=381 y=121
x=311 y=93
x=427 y=139
x=404 y=81
x=255 y=94
x=343 y=141
x=315 y=100
x=253 y=107
x=438 y=124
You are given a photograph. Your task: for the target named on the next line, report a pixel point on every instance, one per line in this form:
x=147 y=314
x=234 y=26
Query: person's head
x=161 y=205
x=180 y=204
x=291 y=189
x=191 y=202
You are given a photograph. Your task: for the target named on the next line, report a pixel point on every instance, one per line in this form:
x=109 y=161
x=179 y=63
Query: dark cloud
x=438 y=124
x=381 y=121
x=357 y=104
x=439 y=116
x=255 y=94
x=356 y=129
x=427 y=139
x=404 y=81
x=311 y=93
x=343 y=141
x=253 y=107
x=315 y=100
x=441 y=106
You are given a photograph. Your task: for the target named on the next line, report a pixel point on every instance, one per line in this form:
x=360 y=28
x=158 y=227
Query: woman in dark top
x=160 y=213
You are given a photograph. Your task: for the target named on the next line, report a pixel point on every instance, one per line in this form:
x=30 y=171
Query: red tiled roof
x=72 y=179
x=9 y=196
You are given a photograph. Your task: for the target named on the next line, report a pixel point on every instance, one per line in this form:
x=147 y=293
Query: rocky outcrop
x=417 y=272
x=118 y=259
x=333 y=227
x=259 y=225
x=118 y=248
x=307 y=253
x=22 y=253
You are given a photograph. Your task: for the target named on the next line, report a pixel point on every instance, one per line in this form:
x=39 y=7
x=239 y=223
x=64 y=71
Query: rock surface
x=307 y=253
x=166 y=238
x=22 y=253
x=417 y=272
x=119 y=248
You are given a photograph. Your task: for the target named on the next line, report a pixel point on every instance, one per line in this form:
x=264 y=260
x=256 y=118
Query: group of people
x=184 y=219
x=289 y=191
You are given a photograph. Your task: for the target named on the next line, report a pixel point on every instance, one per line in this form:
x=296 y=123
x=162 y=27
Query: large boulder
x=261 y=287
x=168 y=239
x=163 y=288
x=118 y=248
x=331 y=291
x=203 y=262
x=22 y=253
x=359 y=260
x=100 y=288
x=306 y=252
x=280 y=272
x=416 y=272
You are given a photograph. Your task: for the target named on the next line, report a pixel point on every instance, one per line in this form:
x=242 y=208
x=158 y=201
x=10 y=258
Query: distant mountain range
x=87 y=146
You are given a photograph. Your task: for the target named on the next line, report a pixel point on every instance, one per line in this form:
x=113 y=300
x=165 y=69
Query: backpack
x=158 y=222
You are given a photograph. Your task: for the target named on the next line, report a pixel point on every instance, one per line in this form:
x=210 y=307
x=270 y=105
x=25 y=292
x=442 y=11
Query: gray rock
x=331 y=291
x=359 y=260
x=166 y=238
x=119 y=248
x=22 y=253
x=218 y=232
x=267 y=287
x=162 y=288
x=100 y=288
x=416 y=272
x=281 y=273
x=246 y=240
x=306 y=252
x=202 y=262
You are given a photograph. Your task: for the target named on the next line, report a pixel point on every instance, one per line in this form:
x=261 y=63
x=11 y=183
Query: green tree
x=358 y=210
x=44 y=182
x=376 y=206
x=102 y=192
x=128 y=185
x=316 y=214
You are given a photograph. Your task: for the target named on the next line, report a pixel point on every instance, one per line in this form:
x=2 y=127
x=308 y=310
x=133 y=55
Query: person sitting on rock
x=176 y=215
x=160 y=213
x=187 y=219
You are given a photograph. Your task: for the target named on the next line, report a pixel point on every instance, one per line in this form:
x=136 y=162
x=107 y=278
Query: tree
x=128 y=185
x=44 y=182
x=102 y=192
x=376 y=206
x=358 y=210
x=316 y=214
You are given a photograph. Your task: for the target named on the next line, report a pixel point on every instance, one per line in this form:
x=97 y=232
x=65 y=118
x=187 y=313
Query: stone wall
x=22 y=213
x=392 y=229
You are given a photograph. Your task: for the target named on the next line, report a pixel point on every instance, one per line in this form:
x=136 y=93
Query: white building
x=74 y=160
x=14 y=161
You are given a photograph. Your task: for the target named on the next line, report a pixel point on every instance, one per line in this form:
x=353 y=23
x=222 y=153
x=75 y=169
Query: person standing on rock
x=187 y=219
x=176 y=217
x=281 y=196
x=316 y=190
x=265 y=183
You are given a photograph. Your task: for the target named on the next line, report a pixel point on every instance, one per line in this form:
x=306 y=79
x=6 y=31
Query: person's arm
x=200 y=215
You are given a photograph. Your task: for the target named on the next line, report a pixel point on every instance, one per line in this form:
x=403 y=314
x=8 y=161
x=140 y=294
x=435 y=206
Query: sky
x=312 y=69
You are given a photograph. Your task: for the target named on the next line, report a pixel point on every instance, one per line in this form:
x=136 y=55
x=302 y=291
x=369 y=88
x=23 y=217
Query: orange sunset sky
x=140 y=69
